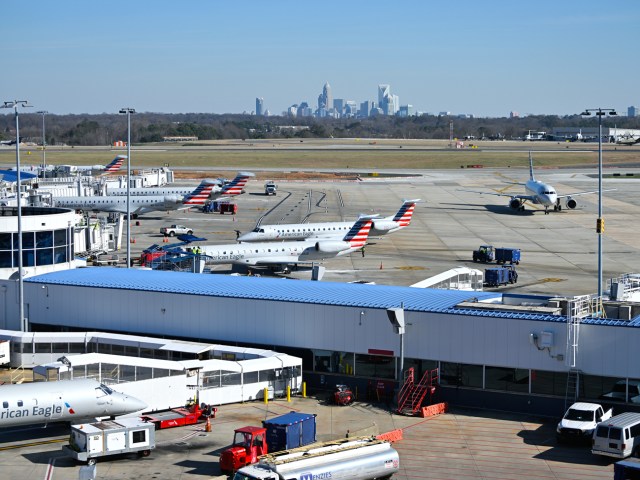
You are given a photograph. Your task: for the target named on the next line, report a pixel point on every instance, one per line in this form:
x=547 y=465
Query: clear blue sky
x=483 y=58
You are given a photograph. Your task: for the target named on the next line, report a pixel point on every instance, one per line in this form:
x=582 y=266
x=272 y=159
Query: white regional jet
x=114 y=166
x=234 y=187
x=139 y=204
x=287 y=253
x=62 y=401
x=538 y=193
x=301 y=231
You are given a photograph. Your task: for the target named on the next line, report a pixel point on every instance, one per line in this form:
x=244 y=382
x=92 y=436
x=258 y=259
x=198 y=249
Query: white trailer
x=88 y=441
x=360 y=458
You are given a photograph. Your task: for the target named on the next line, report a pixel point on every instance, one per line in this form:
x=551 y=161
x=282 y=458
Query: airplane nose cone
x=128 y=404
x=245 y=237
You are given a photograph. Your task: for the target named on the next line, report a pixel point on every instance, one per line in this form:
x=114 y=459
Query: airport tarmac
x=559 y=250
x=465 y=444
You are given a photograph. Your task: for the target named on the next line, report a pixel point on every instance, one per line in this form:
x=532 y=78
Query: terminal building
x=493 y=350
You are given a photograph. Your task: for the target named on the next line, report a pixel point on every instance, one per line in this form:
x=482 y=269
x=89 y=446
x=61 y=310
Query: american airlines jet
x=539 y=193
x=287 y=253
x=302 y=231
x=114 y=166
x=62 y=401
x=234 y=187
x=139 y=204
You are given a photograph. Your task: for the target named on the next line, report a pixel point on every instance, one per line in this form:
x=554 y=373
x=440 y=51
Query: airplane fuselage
x=66 y=400
x=138 y=204
x=541 y=193
x=288 y=252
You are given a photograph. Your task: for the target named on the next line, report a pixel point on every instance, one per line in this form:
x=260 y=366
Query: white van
x=618 y=437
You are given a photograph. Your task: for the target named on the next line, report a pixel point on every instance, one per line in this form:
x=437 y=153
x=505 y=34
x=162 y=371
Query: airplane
x=539 y=193
x=290 y=252
x=302 y=231
x=62 y=401
x=138 y=204
x=114 y=166
x=628 y=139
x=234 y=187
x=9 y=142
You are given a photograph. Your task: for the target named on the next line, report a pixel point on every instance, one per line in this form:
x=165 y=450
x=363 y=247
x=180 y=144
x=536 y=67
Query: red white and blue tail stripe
x=235 y=186
x=116 y=164
x=403 y=217
x=200 y=195
x=359 y=232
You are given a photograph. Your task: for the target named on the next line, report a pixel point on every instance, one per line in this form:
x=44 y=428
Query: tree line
x=104 y=129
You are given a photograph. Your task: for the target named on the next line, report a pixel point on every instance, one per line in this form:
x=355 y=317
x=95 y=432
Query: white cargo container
x=88 y=441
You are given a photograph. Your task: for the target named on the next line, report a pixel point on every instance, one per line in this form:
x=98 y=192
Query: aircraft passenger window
x=20 y=403
x=5 y=404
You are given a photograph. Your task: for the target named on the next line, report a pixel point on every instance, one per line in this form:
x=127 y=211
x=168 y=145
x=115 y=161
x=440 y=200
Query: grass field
x=342 y=155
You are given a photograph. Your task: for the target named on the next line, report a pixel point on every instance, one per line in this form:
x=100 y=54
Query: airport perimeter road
x=559 y=250
x=463 y=444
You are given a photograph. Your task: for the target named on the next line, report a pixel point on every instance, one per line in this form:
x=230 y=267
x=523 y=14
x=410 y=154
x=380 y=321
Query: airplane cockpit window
x=103 y=390
x=256 y=230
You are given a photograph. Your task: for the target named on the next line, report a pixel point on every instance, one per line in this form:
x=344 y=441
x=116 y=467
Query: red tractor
x=248 y=444
x=342 y=395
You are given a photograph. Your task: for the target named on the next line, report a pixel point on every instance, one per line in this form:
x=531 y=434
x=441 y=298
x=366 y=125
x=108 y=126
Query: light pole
x=600 y=112
x=128 y=111
x=44 y=144
x=15 y=104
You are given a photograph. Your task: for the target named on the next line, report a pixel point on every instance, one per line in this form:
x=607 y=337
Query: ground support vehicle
x=494 y=277
x=270 y=188
x=618 y=437
x=507 y=255
x=626 y=469
x=291 y=430
x=248 y=444
x=360 y=458
x=89 y=441
x=106 y=259
x=484 y=254
x=174 y=230
x=220 y=207
x=580 y=420
x=176 y=417
x=342 y=395
x=279 y=433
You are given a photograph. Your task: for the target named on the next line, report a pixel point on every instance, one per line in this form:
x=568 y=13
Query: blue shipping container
x=508 y=255
x=290 y=431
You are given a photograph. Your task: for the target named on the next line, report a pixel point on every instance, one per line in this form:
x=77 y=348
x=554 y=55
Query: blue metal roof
x=261 y=288
x=299 y=291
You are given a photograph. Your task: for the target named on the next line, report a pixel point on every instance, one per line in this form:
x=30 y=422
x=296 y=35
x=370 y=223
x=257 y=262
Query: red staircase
x=412 y=394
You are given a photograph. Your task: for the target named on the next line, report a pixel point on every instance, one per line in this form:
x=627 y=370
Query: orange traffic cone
x=207 y=426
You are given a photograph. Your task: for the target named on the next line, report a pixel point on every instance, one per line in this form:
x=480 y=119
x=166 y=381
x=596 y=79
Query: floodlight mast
x=128 y=111
x=600 y=112
x=44 y=144
x=15 y=104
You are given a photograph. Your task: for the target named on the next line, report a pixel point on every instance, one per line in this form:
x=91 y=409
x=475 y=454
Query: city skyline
x=216 y=57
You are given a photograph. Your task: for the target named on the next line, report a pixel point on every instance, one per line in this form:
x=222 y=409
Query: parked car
x=174 y=230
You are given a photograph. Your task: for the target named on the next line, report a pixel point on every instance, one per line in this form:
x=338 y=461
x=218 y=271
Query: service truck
x=580 y=420
x=173 y=230
x=270 y=188
x=89 y=441
x=359 y=458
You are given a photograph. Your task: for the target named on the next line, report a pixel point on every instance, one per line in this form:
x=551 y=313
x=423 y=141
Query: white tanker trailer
x=360 y=458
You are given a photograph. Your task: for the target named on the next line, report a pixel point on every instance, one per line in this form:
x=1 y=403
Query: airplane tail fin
x=200 y=195
x=359 y=232
x=403 y=216
x=531 y=177
x=235 y=186
x=116 y=164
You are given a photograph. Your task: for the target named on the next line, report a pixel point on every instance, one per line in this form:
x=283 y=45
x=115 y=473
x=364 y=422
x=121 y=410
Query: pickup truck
x=580 y=421
x=174 y=230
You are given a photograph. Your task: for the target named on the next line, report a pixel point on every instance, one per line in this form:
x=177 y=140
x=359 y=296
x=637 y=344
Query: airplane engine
x=171 y=200
x=383 y=225
x=331 y=246
x=571 y=203
x=515 y=204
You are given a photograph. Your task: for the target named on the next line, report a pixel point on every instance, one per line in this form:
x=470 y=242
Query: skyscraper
x=325 y=100
x=259 y=106
x=383 y=91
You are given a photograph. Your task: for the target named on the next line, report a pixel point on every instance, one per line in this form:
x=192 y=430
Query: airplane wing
x=510 y=195
x=577 y=194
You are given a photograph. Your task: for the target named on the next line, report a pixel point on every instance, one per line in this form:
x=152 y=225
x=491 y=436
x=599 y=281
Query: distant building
x=444 y=114
x=325 y=99
x=260 y=106
x=350 y=108
x=514 y=115
x=338 y=106
x=406 y=111
x=365 y=108
x=384 y=90
x=304 y=110
x=632 y=111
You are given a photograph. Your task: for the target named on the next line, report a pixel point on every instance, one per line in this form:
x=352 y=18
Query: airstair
x=412 y=394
